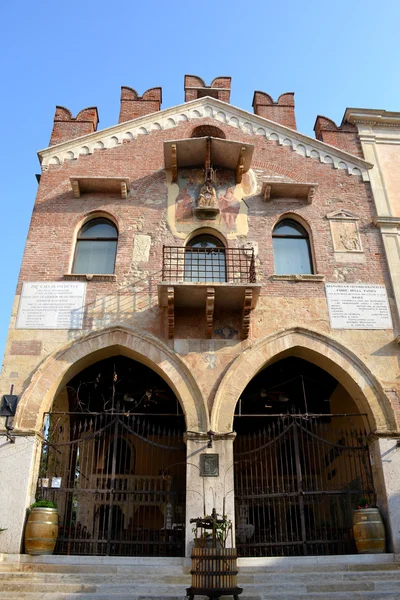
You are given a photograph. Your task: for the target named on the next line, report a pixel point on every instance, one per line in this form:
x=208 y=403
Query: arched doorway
x=301 y=462
x=114 y=461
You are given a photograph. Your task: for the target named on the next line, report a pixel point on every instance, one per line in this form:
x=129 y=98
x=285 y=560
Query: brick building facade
x=205 y=243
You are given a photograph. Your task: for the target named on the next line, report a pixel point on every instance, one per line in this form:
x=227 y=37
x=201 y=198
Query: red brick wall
x=57 y=214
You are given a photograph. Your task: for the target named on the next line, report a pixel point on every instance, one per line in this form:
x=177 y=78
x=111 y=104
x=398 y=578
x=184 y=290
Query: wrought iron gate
x=119 y=484
x=296 y=484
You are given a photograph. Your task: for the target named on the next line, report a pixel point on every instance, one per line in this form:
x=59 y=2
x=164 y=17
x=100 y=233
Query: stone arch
x=58 y=368
x=323 y=351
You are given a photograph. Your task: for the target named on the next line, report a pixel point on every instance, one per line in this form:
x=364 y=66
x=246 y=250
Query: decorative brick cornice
x=210 y=108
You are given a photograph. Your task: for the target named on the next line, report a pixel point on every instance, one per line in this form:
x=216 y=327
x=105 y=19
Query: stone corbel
x=174 y=163
x=210 y=302
x=124 y=190
x=171 y=311
x=75 y=188
x=311 y=194
x=246 y=313
x=267 y=193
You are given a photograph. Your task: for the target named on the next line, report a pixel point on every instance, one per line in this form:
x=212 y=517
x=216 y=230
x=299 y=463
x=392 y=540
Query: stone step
x=54 y=578
x=142 y=575
x=161 y=589
x=102 y=569
x=105 y=568
x=323 y=568
x=245 y=596
x=312 y=576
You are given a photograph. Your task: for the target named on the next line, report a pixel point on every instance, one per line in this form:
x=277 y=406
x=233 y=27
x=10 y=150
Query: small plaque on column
x=209 y=465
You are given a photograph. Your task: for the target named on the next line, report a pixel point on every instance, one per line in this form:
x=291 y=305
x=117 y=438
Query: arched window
x=96 y=247
x=208 y=131
x=292 y=254
x=205 y=259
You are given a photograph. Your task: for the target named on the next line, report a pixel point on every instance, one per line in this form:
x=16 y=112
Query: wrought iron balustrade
x=208 y=265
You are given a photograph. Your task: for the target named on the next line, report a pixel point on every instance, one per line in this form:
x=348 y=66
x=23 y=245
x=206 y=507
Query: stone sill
x=89 y=277
x=298 y=278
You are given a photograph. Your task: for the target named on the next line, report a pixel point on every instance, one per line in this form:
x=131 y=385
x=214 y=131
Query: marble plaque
x=51 y=305
x=358 y=306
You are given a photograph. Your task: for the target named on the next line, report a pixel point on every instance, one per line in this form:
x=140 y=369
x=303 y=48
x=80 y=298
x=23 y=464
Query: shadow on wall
x=121 y=308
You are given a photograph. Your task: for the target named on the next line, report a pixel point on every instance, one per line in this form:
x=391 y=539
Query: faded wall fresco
x=232 y=218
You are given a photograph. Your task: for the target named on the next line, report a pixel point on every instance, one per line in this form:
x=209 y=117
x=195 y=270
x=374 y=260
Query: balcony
x=208 y=279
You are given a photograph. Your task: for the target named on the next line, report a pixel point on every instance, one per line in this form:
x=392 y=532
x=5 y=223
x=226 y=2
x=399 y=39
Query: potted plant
x=214 y=570
x=41 y=530
x=211 y=531
x=368 y=528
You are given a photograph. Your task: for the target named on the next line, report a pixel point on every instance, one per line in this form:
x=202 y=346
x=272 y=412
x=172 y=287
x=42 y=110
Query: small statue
x=207 y=196
x=207 y=203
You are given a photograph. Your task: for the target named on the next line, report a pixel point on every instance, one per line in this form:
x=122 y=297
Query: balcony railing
x=208 y=265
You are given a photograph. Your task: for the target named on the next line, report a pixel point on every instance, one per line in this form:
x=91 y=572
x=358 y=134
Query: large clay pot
x=369 y=531
x=41 y=531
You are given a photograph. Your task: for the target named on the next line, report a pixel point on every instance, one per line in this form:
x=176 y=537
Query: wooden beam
x=240 y=165
x=246 y=313
x=174 y=163
x=171 y=312
x=210 y=302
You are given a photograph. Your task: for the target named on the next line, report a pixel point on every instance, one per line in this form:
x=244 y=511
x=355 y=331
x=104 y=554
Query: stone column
x=18 y=463
x=203 y=493
x=385 y=459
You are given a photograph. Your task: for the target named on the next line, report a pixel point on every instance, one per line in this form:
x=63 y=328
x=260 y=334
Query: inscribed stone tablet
x=51 y=305
x=358 y=306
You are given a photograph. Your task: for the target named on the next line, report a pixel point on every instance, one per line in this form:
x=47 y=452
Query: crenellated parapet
x=344 y=136
x=133 y=105
x=281 y=111
x=66 y=127
x=195 y=87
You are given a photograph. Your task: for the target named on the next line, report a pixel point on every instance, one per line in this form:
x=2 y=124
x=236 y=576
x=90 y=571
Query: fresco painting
x=229 y=195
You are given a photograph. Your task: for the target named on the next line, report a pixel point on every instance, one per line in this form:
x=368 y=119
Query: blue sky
x=77 y=54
